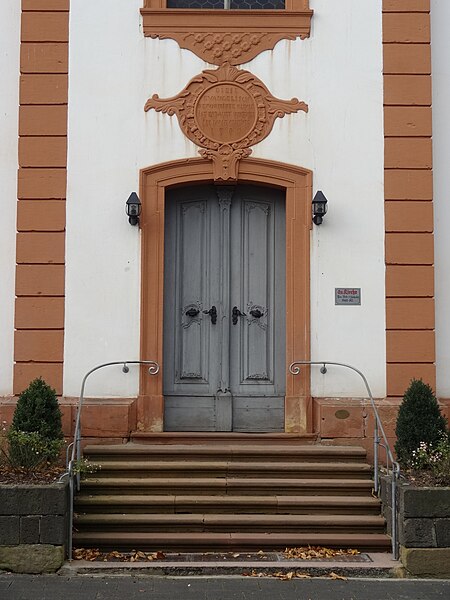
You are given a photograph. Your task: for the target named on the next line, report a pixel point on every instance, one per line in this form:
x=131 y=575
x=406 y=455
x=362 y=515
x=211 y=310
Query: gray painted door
x=224 y=309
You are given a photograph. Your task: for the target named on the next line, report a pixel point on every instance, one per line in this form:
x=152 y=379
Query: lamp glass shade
x=133 y=205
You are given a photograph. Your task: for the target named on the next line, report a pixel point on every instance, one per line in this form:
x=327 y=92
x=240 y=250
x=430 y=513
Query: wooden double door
x=224 y=309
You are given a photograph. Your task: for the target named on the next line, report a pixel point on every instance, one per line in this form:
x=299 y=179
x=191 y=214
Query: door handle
x=235 y=314
x=212 y=312
x=192 y=312
x=255 y=312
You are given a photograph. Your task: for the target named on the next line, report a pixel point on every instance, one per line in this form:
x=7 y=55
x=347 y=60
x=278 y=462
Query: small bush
x=419 y=421
x=38 y=411
x=30 y=450
x=35 y=436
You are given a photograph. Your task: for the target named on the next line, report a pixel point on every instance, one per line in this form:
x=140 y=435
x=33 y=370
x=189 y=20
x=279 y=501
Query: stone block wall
x=33 y=527
x=423 y=527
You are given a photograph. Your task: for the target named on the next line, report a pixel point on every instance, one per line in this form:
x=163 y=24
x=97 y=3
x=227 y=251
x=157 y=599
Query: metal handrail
x=75 y=456
x=392 y=465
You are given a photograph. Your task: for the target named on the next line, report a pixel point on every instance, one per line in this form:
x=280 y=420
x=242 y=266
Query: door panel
x=257 y=349
x=224 y=247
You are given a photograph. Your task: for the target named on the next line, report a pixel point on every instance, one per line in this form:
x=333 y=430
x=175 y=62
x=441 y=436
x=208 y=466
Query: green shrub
x=419 y=421
x=35 y=435
x=38 y=411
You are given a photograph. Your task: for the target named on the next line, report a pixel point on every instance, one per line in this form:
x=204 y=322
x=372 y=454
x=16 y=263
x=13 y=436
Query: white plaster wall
x=9 y=115
x=440 y=20
x=114 y=69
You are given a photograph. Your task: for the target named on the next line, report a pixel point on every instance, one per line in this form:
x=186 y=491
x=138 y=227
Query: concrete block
x=417 y=533
x=29 y=529
x=426 y=562
x=53 y=530
x=8 y=499
x=31 y=558
x=442 y=529
x=425 y=502
x=9 y=530
x=42 y=499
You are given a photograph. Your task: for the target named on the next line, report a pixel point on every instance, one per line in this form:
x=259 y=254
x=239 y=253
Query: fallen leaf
x=336 y=576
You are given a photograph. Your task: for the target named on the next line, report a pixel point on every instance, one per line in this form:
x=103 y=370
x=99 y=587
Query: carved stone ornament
x=225 y=111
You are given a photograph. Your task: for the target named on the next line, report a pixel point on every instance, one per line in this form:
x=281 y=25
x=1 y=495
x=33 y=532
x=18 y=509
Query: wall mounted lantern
x=319 y=207
x=133 y=208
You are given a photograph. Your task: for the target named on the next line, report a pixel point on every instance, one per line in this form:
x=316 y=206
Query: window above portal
x=227 y=31
x=228 y=4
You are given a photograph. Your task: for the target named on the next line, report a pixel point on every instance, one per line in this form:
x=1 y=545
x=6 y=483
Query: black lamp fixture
x=133 y=208
x=319 y=208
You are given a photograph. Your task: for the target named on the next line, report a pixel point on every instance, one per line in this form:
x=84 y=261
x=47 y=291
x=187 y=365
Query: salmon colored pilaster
x=297 y=184
x=41 y=193
x=410 y=340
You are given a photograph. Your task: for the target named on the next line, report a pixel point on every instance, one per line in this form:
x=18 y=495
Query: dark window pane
x=235 y=4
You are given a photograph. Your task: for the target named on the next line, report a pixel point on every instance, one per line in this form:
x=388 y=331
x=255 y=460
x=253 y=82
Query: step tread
x=210 y=518
x=223 y=464
x=131 y=448
x=133 y=499
x=229 y=540
x=223 y=482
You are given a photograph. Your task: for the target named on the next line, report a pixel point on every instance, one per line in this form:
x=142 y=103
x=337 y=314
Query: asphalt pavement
x=129 y=587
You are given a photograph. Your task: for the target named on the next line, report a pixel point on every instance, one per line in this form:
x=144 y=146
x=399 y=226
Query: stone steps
x=217 y=495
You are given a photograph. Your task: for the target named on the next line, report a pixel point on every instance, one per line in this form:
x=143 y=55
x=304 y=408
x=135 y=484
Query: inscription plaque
x=347 y=296
x=226 y=113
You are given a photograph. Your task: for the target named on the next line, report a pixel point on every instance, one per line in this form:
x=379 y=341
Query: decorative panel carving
x=225 y=111
x=234 y=36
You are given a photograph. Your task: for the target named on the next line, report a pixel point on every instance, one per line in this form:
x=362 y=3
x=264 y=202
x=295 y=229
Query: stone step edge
x=228 y=519
x=221 y=542
x=271 y=500
x=234 y=449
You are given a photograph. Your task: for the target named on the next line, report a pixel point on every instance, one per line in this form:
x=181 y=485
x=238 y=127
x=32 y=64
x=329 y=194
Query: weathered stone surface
x=41 y=499
x=31 y=558
x=426 y=562
x=9 y=530
x=8 y=499
x=417 y=533
x=53 y=530
x=425 y=502
x=442 y=528
x=29 y=530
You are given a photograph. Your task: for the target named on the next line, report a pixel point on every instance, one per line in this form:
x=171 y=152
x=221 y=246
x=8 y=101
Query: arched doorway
x=295 y=185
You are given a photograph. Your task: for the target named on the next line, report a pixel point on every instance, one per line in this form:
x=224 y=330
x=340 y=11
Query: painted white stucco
x=114 y=69
x=440 y=49
x=9 y=116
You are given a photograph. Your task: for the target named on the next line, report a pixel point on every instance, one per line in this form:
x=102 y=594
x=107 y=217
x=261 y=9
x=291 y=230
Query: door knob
x=192 y=312
x=235 y=314
x=255 y=312
x=212 y=312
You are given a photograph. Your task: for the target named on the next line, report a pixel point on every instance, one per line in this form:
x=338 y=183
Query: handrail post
x=376 y=442
x=391 y=464
x=76 y=444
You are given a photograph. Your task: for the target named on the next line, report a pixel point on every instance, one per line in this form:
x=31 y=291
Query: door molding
x=297 y=183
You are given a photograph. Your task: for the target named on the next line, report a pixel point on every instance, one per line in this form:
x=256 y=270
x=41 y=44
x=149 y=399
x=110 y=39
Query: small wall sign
x=347 y=296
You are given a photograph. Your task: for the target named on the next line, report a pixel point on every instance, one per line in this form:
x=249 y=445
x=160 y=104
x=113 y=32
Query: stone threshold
x=380 y=565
